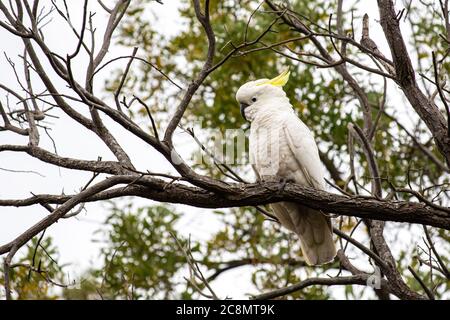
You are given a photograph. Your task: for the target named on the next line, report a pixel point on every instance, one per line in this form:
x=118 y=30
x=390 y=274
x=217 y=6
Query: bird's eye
x=254 y=99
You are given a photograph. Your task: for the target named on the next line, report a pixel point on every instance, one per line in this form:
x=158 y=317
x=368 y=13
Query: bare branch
x=338 y=281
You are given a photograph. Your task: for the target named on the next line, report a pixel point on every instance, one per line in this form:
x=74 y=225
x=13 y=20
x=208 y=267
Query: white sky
x=74 y=236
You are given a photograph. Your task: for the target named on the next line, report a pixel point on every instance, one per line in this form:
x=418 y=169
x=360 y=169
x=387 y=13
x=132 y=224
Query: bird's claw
x=282 y=185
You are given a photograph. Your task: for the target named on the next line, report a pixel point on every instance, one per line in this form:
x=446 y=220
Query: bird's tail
x=314 y=229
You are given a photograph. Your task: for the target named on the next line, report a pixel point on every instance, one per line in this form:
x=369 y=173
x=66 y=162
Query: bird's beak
x=243 y=106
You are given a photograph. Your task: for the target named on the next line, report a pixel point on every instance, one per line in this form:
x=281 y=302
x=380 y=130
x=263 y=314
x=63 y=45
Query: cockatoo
x=282 y=147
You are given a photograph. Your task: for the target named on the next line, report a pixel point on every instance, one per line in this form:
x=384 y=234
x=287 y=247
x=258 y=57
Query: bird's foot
x=282 y=185
x=282 y=182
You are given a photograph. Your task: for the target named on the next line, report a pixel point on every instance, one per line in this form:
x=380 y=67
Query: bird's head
x=254 y=94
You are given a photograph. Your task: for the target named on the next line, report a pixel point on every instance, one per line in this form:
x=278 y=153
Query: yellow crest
x=278 y=81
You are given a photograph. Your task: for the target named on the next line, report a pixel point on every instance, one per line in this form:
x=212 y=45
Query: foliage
x=140 y=258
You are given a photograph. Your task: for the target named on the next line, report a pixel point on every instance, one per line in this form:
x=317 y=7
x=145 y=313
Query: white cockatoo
x=282 y=147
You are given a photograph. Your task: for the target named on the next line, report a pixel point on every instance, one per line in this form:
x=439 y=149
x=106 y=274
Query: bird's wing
x=303 y=147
